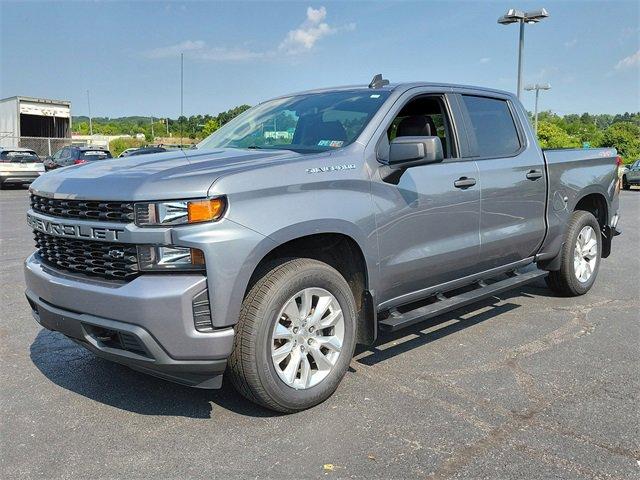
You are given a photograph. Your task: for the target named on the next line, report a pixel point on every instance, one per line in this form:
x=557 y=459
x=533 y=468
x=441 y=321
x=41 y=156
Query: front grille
x=84 y=209
x=100 y=259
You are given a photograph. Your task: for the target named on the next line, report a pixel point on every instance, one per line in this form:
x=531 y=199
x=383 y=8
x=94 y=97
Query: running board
x=398 y=320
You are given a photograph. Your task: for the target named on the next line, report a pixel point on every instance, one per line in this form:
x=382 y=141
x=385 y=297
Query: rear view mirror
x=406 y=152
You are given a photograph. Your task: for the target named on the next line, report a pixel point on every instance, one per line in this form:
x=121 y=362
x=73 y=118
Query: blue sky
x=127 y=53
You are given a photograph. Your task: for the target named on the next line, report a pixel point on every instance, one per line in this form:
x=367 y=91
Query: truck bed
x=574 y=173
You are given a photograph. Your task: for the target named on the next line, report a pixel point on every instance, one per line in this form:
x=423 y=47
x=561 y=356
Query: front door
x=427 y=223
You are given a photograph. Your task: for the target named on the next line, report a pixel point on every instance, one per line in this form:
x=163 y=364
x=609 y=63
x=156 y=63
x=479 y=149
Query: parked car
x=147 y=150
x=127 y=152
x=631 y=175
x=270 y=256
x=73 y=155
x=19 y=166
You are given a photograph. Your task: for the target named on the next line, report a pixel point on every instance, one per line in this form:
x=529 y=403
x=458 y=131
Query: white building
x=34 y=123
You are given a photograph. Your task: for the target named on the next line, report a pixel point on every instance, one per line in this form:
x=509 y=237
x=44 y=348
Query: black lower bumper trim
x=127 y=344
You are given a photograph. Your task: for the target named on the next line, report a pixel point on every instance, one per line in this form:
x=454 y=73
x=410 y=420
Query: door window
x=493 y=130
x=424 y=116
x=65 y=156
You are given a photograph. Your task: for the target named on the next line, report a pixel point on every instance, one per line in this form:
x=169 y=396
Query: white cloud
x=316 y=16
x=485 y=59
x=305 y=37
x=302 y=39
x=629 y=62
x=571 y=43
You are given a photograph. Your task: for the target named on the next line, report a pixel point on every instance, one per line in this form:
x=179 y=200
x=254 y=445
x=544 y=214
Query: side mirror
x=406 y=152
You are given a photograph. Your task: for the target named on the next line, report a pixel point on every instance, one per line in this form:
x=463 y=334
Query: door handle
x=464 y=182
x=534 y=174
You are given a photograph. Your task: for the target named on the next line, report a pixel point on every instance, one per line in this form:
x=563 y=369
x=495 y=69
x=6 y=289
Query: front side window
x=306 y=123
x=66 y=153
x=424 y=116
x=493 y=130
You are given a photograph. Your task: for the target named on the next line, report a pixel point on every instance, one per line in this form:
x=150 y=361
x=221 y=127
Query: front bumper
x=146 y=324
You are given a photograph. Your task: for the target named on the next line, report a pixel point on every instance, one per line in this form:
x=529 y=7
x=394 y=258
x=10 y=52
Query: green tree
x=81 y=128
x=210 y=127
x=119 y=145
x=625 y=137
x=551 y=135
x=224 y=117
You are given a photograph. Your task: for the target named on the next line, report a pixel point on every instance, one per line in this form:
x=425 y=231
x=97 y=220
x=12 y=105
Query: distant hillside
x=195 y=126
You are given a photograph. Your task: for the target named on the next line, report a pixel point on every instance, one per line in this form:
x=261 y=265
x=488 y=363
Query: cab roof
x=396 y=87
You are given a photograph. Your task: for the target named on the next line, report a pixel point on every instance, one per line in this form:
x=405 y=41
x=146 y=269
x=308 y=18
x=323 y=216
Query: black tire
x=251 y=369
x=625 y=184
x=564 y=281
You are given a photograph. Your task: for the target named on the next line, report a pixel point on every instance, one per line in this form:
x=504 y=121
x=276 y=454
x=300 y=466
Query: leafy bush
x=119 y=145
x=551 y=135
x=625 y=137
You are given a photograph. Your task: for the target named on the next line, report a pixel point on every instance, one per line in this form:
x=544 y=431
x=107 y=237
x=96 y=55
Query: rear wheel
x=580 y=257
x=625 y=184
x=295 y=337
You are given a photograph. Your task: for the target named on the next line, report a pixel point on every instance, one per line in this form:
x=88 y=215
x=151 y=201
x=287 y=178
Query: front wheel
x=295 y=337
x=580 y=257
x=625 y=184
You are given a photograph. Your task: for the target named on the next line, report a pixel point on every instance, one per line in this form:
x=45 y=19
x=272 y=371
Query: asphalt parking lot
x=525 y=386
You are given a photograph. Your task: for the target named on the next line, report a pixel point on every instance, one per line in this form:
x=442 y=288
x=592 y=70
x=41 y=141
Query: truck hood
x=168 y=175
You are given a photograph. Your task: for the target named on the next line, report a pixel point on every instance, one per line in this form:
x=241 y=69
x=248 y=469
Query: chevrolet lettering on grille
x=73 y=231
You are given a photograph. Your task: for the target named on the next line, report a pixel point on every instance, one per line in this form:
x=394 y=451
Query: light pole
x=181 y=93
x=537 y=87
x=90 y=120
x=518 y=16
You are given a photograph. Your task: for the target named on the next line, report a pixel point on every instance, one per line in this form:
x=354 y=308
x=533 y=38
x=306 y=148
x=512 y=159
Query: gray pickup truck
x=309 y=224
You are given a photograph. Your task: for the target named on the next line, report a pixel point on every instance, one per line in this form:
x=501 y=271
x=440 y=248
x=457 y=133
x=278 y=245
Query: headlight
x=152 y=258
x=181 y=212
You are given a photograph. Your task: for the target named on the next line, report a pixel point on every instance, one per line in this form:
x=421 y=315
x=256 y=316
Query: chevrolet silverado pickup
x=308 y=224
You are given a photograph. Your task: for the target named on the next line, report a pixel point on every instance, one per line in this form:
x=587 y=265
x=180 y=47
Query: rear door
x=512 y=179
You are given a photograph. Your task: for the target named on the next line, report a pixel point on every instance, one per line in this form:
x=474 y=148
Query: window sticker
x=330 y=143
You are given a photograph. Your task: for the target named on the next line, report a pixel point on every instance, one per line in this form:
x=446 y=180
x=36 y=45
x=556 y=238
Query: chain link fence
x=43 y=146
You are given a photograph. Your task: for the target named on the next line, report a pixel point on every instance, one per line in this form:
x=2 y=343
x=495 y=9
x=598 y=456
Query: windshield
x=304 y=123
x=19 y=156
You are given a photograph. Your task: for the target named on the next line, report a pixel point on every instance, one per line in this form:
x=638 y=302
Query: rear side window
x=492 y=126
x=90 y=155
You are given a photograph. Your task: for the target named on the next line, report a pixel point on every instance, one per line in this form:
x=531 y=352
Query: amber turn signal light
x=205 y=210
